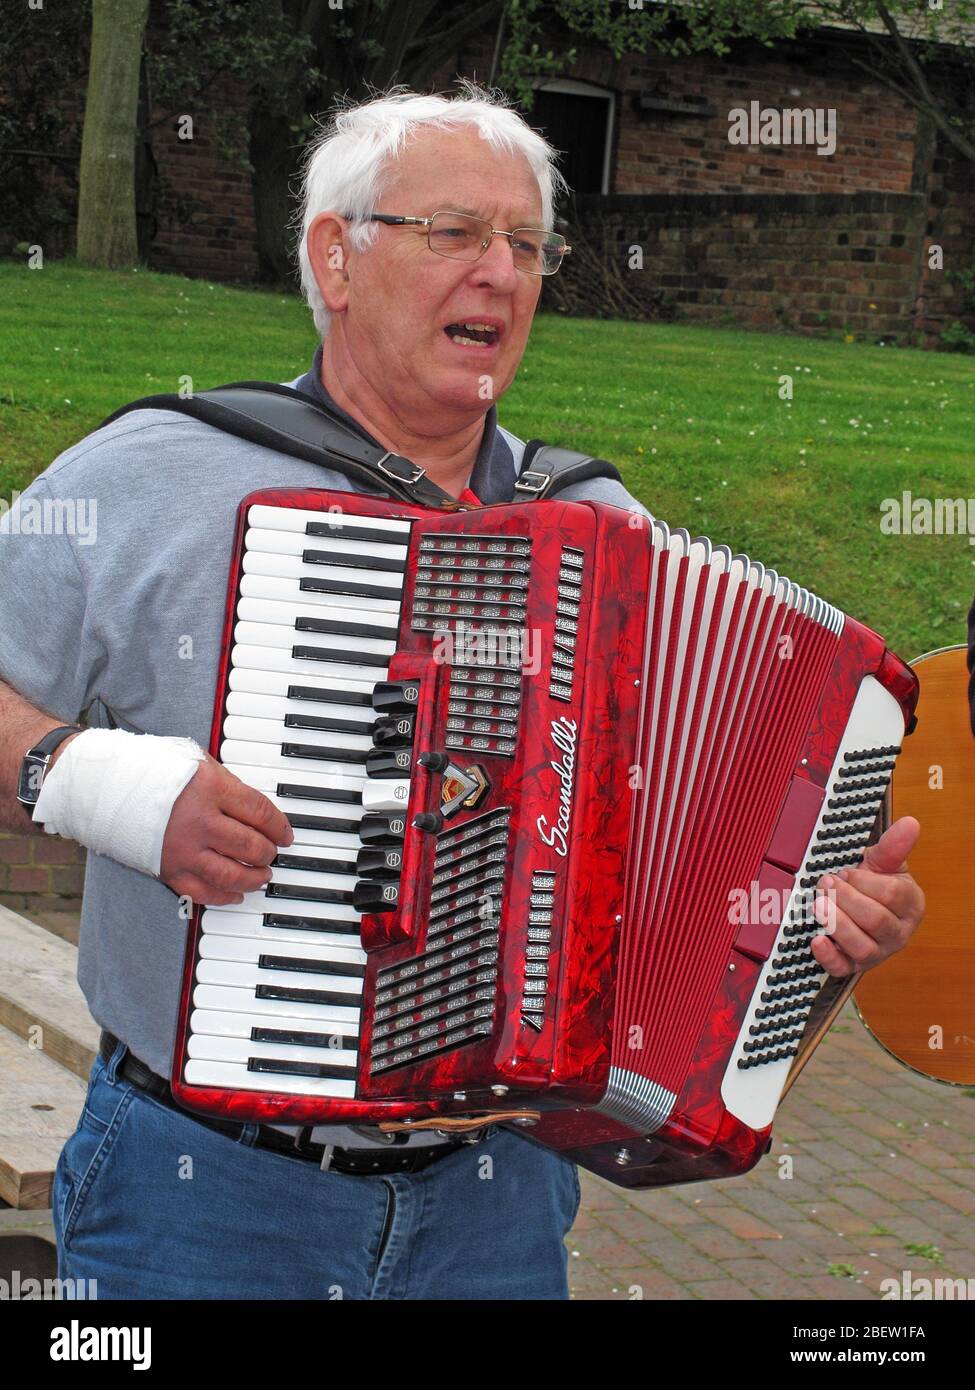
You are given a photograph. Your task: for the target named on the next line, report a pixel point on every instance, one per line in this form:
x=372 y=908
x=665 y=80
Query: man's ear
x=327 y=247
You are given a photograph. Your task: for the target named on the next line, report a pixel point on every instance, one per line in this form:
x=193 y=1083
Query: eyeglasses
x=464 y=238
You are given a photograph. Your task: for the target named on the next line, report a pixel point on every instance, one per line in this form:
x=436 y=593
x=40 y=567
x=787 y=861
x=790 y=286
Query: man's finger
x=253 y=808
x=236 y=841
x=889 y=854
x=830 y=957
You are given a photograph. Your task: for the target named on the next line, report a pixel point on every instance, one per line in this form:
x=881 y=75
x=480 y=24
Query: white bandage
x=113 y=792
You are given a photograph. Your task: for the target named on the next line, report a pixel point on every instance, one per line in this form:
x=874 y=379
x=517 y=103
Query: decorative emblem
x=462 y=788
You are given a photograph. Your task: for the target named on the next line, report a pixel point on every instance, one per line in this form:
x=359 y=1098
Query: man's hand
x=875 y=908
x=222 y=835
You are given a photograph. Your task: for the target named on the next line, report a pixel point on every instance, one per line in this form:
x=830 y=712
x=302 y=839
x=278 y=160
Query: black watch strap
x=36 y=762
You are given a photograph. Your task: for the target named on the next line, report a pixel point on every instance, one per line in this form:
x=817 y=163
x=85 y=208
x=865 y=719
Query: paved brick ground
x=882 y=1161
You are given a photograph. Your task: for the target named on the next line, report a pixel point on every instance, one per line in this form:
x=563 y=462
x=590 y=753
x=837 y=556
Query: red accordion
x=562 y=783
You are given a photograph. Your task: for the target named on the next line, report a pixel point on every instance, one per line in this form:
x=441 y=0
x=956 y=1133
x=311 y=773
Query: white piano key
x=220 y=1023
x=287 y=590
x=241 y=975
x=243 y=1001
x=274 y=635
x=284 y=614
x=258 y=901
x=297 y=518
x=235 y=1076
x=251 y=924
x=266 y=777
x=270 y=755
x=215 y=1048
x=295 y=543
x=272 y=732
x=274 y=683
x=274 y=659
x=217 y=946
x=290 y=567
x=256 y=706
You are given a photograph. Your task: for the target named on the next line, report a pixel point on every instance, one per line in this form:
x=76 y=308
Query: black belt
x=357 y=1162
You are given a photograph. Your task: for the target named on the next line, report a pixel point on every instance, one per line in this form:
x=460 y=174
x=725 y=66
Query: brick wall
x=805 y=262
x=40 y=871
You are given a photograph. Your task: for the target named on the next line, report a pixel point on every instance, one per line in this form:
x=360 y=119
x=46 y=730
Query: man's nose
x=496 y=267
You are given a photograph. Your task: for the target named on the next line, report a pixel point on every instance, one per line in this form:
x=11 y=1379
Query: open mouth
x=473 y=334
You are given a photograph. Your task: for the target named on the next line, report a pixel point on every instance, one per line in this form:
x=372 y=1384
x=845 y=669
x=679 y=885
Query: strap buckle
x=533 y=481
x=400 y=476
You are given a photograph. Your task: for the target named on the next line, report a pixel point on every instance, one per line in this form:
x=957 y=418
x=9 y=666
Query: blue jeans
x=152 y=1204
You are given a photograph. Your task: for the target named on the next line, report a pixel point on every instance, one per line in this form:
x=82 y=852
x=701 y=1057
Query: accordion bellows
x=562 y=782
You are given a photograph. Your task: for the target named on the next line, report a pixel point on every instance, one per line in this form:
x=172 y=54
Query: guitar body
x=920 y=1004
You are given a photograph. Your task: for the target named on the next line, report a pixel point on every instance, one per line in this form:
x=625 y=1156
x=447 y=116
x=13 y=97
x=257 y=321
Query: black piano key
x=308 y=894
x=322 y=924
x=378 y=829
x=379 y=863
x=345 y=969
x=286 y=995
x=393 y=732
x=324 y=753
x=313 y=865
x=329 y=724
x=337 y=628
x=375 y=897
x=387 y=564
x=342 y=530
x=346 y=586
x=328 y=1071
x=339 y=1042
x=341 y=827
x=395 y=697
x=328 y=696
x=393 y=762
x=343 y=797
x=345 y=658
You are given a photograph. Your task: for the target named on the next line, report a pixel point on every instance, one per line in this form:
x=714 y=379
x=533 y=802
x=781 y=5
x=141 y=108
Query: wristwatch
x=36 y=762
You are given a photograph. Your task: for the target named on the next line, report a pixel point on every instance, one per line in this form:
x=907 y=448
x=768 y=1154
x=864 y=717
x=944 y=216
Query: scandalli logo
x=564 y=735
x=77 y=1343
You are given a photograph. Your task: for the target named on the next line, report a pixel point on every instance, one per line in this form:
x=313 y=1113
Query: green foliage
x=691 y=416
x=926 y=1251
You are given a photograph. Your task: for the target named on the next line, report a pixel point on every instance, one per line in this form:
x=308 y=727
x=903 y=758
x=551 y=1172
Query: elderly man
x=422 y=327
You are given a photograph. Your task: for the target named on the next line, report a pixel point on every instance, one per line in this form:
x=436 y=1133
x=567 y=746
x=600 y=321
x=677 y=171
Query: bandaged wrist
x=113 y=792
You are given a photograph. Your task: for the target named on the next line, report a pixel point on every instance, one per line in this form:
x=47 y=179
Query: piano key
x=345 y=790
x=305 y=690
x=270 y=755
x=350 y=718
x=261 y=902
x=290 y=985
x=235 y=1076
x=298 y=519
x=346 y=959
x=384 y=584
x=281 y=614
x=275 y=635
x=270 y=731
x=216 y=1048
x=252 y=924
x=385 y=795
x=276 y=659
x=287 y=589
x=221 y=1024
x=346 y=549
x=236 y=1000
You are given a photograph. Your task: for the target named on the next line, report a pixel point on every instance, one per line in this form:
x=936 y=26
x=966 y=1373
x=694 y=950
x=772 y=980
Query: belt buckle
x=533 y=481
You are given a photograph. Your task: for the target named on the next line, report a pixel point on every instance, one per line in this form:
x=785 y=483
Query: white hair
x=344 y=167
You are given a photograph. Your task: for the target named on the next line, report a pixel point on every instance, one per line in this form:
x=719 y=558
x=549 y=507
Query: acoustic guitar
x=920 y=1004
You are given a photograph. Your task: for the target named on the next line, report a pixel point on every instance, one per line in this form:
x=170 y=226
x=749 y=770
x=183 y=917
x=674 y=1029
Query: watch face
x=31 y=778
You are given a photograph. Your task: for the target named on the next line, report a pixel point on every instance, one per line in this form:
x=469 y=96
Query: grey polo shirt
x=113 y=578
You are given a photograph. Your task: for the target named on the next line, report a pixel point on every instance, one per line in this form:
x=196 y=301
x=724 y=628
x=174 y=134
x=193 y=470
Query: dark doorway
x=576 y=124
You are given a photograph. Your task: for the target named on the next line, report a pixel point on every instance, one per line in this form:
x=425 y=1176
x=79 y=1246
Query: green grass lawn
x=692 y=416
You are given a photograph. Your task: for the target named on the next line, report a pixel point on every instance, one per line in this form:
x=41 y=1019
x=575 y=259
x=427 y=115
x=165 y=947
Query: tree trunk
x=106 y=195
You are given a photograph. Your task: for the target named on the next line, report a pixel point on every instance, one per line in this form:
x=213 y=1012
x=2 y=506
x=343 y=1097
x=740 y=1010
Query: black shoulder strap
x=291 y=422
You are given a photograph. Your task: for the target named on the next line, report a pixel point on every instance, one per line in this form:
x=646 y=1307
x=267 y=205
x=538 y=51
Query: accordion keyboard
x=279 y=979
